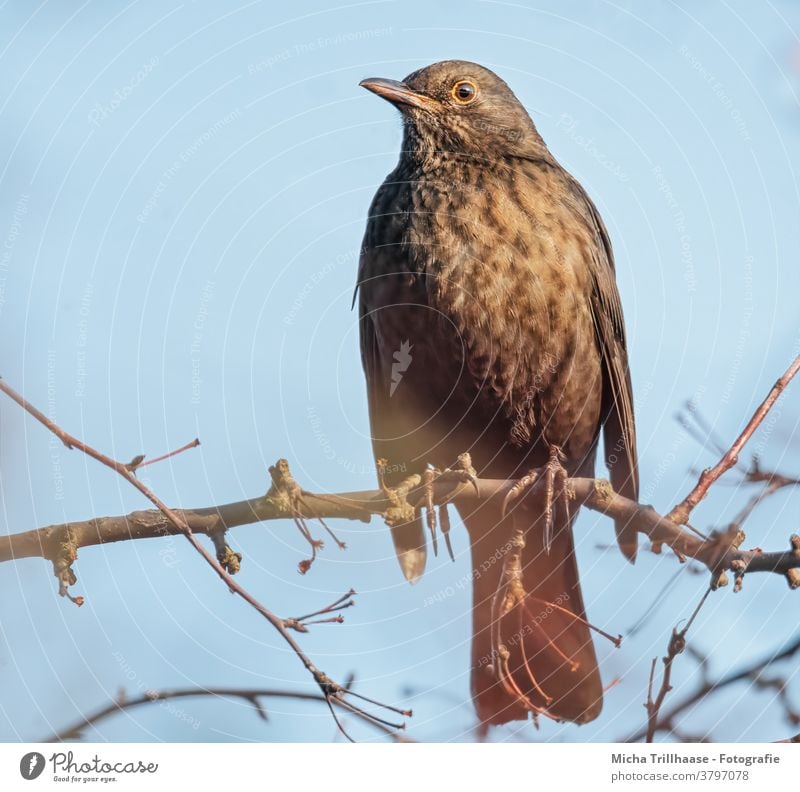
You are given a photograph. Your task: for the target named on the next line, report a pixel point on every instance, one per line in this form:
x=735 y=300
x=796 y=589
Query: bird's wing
x=375 y=359
x=619 y=428
x=370 y=361
x=409 y=538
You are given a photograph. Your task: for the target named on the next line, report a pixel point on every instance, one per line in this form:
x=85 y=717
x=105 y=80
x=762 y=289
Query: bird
x=490 y=323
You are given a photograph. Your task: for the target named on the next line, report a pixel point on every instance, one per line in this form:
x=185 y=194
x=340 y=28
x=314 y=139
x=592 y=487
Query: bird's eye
x=464 y=92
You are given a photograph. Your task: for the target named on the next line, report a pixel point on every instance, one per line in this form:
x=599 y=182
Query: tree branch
x=749 y=672
x=680 y=514
x=719 y=552
x=331 y=690
x=251 y=695
x=677 y=643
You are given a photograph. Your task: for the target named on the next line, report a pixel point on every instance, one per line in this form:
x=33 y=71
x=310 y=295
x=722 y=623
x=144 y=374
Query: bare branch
x=193 y=444
x=680 y=514
x=677 y=643
x=749 y=673
x=718 y=553
x=251 y=695
x=330 y=689
x=773 y=482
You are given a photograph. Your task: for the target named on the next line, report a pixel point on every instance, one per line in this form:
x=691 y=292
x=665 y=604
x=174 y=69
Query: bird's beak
x=396 y=92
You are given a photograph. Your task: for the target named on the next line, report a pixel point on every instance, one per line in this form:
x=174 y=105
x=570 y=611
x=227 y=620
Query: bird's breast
x=481 y=274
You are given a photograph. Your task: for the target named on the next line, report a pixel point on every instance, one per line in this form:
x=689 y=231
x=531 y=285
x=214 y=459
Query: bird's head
x=462 y=108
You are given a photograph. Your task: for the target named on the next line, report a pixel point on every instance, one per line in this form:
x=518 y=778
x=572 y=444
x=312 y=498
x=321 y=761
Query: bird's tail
x=532 y=650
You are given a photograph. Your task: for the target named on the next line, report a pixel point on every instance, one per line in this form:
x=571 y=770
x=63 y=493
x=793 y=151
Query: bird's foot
x=555 y=476
x=510 y=630
x=404 y=521
x=461 y=473
x=526 y=629
x=398 y=510
x=288 y=495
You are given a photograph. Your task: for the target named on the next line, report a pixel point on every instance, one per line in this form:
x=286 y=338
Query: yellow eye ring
x=464 y=92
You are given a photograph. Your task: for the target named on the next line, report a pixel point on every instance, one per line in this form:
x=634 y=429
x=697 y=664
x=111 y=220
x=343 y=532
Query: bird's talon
x=444 y=521
x=519 y=486
x=428 y=478
x=461 y=473
x=555 y=477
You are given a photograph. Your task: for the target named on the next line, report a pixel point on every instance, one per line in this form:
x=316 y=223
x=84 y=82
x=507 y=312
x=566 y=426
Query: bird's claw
x=428 y=478
x=555 y=476
x=461 y=473
x=444 y=519
x=519 y=486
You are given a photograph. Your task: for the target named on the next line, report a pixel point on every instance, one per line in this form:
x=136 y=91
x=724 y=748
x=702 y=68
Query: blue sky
x=184 y=191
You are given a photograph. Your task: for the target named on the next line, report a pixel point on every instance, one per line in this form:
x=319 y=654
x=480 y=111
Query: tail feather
x=532 y=650
x=411 y=548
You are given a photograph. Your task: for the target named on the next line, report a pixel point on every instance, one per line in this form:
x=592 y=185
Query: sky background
x=183 y=191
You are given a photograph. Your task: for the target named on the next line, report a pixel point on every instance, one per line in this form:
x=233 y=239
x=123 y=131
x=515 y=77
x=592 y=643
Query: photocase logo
x=31 y=765
x=402 y=360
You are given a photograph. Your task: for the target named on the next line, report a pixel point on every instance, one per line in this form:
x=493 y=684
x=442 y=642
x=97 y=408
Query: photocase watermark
x=402 y=360
x=618 y=451
x=14 y=230
x=765 y=432
x=83 y=337
x=197 y=339
x=169 y=706
x=744 y=331
x=75 y=771
x=719 y=91
x=669 y=459
x=528 y=629
x=314 y=45
x=477 y=572
x=570 y=126
x=182 y=159
x=54 y=444
x=72 y=769
x=679 y=219
x=31 y=765
x=316 y=278
x=499 y=130
x=331 y=454
x=168 y=553
x=101 y=111
x=316 y=426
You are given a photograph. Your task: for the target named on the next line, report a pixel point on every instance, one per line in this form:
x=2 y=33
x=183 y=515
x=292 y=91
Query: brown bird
x=490 y=323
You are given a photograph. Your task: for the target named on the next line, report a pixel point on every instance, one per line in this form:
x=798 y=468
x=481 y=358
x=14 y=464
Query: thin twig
x=251 y=695
x=301 y=623
x=708 y=687
x=680 y=514
x=677 y=643
x=329 y=688
x=773 y=482
x=193 y=444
